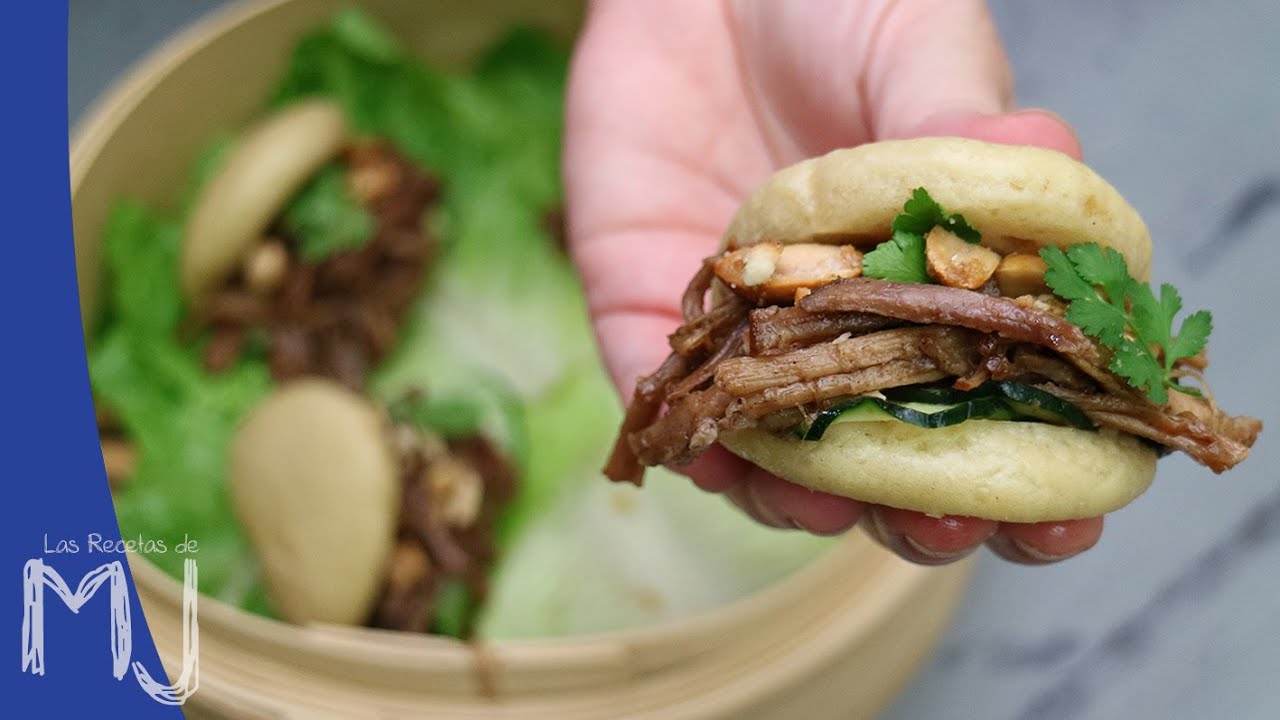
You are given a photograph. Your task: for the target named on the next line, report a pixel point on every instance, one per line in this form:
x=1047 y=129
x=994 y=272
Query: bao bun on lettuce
x=926 y=355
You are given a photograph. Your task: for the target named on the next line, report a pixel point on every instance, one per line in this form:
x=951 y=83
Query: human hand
x=678 y=109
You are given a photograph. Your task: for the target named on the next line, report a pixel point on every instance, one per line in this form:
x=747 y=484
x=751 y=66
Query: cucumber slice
x=935 y=407
x=935 y=394
x=1033 y=402
x=924 y=415
x=982 y=408
x=1026 y=401
x=864 y=410
x=860 y=410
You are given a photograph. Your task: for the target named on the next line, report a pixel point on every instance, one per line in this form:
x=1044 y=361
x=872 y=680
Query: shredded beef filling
x=453 y=494
x=337 y=318
x=340 y=316
x=736 y=366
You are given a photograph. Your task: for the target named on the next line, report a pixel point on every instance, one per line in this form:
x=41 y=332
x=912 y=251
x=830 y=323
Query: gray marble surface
x=1177 y=613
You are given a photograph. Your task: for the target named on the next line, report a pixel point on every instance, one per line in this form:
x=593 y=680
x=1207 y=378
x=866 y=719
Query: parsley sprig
x=1126 y=316
x=902 y=258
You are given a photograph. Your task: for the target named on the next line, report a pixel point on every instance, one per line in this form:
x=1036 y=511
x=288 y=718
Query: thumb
x=937 y=68
x=823 y=74
x=930 y=58
x=1026 y=127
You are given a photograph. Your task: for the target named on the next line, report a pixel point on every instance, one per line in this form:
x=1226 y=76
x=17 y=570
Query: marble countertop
x=1177 y=102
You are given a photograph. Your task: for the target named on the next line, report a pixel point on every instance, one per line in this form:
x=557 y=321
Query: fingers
x=824 y=74
x=770 y=500
x=815 y=512
x=1048 y=542
x=927 y=540
x=1027 y=127
x=958 y=84
x=912 y=535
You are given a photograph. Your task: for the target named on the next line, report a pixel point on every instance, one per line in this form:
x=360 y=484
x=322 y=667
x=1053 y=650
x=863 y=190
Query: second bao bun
x=270 y=164
x=1021 y=199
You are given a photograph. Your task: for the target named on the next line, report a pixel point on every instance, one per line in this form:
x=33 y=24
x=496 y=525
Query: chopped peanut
x=409 y=564
x=956 y=263
x=458 y=490
x=371 y=184
x=773 y=272
x=759 y=262
x=405 y=439
x=1021 y=274
x=265 y=266
x=373 y=173
x=1044 y=303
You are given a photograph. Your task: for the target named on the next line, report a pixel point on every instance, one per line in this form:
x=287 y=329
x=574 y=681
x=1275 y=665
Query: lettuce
x=594 y=556
x=494 y=135
x=180 y=417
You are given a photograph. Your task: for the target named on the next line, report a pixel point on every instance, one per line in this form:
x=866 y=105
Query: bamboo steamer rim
x=716 y=664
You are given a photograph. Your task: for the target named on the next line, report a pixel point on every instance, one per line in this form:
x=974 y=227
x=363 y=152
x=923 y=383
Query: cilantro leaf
x=1099 y=319
x=961 y=228
x=1061 y=276
x=1170 y=300
x=919 y=214
x=1136 y=366
x=1094 y=315
x=1192 y=336
x=922 y=213
x=325 y=219
x=900 y=259
x=1150 y=323
x=448 y=417
x=1126 y=316
x=1104 y=267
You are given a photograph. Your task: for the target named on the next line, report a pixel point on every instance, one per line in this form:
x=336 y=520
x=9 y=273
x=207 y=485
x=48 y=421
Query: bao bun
x=270 y=164
x=1021 y=199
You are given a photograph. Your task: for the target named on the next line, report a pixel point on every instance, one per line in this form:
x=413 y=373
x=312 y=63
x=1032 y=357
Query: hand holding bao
x=899 y=323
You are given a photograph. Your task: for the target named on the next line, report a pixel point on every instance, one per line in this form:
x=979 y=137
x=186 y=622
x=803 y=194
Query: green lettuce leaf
x=180 y=417
x=653 y=554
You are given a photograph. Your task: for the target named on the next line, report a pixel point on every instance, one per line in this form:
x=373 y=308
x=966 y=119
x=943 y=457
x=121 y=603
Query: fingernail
x=945 y=122
x=875 y=527
x=1042 y=112
x=931 y=554
x=1035 y=553
x=821 y=533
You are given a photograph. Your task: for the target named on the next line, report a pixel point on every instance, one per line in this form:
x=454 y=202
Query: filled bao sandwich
x=941 y=325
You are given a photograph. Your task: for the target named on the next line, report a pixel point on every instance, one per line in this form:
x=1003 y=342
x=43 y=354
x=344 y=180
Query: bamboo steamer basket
x=838 y=639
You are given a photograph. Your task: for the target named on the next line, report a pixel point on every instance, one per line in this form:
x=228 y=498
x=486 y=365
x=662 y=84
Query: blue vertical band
x=55 y=500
